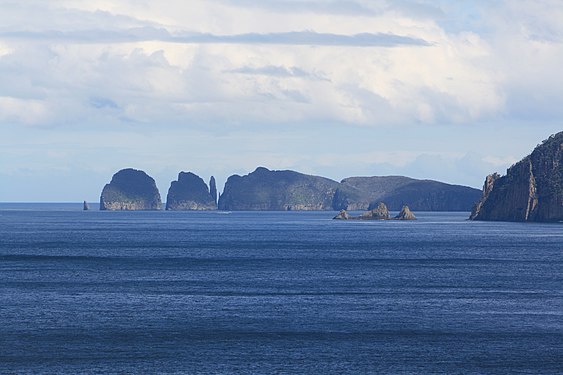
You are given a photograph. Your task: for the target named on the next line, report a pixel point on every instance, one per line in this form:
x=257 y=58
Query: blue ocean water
x=276 y=292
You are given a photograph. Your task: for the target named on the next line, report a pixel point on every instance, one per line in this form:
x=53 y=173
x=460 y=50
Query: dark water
x=192 y=292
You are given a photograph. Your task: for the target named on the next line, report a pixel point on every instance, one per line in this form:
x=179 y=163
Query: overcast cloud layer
x=430 y=89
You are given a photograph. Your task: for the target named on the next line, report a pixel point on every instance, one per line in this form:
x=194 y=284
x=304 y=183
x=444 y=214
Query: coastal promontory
x=130 y=189
x=269 y=190
x=531 y=190
x=189 y=193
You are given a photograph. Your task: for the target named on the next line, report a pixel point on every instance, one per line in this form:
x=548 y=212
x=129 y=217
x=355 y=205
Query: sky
x=444 y=90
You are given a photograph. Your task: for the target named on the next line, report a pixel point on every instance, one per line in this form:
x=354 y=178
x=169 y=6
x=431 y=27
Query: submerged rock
x=189 y=193
x=130 y=189
x=405 y=214
x=531 y=190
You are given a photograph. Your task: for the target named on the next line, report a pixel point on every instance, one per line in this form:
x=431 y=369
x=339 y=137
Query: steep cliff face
x=130 y=189
x=277 y=191
x=189 y=193
x=531 y=190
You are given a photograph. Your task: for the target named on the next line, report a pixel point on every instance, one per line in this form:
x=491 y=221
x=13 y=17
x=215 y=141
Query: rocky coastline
x=531 y=190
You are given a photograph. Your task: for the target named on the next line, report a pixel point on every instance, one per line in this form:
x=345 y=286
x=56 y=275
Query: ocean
x=276 y=293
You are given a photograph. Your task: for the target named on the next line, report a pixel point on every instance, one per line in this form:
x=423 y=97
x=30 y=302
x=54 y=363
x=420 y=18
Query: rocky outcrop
x=405 y=214
x=130 y=189
x=189 y=193
x=213 y=189
x=342 y=215
x=269 y=190
x=379 y=213
x=531 y=190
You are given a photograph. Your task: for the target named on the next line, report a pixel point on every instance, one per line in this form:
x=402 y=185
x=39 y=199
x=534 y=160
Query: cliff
x=531 y=190
x=277 y=191
x=130 y=189
x=189 y=192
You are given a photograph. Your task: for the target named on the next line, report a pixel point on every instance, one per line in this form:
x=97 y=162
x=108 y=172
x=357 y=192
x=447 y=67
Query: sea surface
x=275 y=293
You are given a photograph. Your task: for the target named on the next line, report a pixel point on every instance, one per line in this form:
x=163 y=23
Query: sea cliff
x=531 y=190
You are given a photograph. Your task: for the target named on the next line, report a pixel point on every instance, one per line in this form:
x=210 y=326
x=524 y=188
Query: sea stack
x=85 y=206
x=130 y=189
x=531 y=190
x=405 y=214
x=378 y=213
x=213 y=188
x=190 y=193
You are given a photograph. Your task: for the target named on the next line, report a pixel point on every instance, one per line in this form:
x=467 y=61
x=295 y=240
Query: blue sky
x=428 y=89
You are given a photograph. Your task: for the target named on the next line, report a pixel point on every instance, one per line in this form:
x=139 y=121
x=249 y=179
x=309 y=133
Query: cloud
x=153 y=34
x=278 y=71
x=346 y=8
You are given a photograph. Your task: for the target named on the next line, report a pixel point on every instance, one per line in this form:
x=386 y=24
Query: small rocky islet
x=380 y=212
x=130 y=190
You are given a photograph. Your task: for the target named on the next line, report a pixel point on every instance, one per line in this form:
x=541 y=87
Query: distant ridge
x=286 y=190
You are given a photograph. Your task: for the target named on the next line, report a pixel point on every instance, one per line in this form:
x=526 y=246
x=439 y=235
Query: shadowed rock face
x=531 y=190
x=130 y=189
x=277 y=191
x=189 y=193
